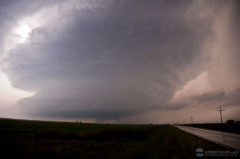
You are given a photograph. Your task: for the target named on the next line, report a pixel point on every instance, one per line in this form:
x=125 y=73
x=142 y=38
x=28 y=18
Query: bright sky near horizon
x=9 y=94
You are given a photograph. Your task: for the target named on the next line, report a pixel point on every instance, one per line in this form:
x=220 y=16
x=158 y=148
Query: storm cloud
x=113 y=59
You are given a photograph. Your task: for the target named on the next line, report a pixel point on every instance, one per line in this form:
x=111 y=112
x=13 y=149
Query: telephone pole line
x=220 y=110
x=191 y=119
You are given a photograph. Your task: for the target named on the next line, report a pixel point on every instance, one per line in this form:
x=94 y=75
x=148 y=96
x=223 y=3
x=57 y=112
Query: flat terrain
x=226 y=139
x=231 y=128
x=38 y=139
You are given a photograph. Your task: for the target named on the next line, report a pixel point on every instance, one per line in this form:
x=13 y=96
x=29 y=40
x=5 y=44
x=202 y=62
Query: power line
x=191 y=119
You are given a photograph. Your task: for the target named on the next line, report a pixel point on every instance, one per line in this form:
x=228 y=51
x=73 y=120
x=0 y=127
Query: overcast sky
x=127 y=61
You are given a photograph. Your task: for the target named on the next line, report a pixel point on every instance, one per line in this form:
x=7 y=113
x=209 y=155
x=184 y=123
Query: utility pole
x=191 y=119
x=220 y=110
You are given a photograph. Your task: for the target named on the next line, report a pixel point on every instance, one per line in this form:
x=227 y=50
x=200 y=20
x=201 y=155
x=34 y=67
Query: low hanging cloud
x=214 y=98
x=211 y=96
x=220 y=97
x=110 y=60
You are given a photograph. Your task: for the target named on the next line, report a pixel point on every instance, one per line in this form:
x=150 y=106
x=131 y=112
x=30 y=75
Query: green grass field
x=38 y=139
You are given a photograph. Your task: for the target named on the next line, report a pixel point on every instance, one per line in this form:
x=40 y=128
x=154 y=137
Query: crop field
x=41 y=139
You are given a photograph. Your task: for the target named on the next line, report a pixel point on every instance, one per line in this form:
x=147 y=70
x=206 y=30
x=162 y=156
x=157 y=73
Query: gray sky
x=138 y=61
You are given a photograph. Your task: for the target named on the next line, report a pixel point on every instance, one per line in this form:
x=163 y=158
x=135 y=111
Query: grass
x=231 y=128
x=37 y=139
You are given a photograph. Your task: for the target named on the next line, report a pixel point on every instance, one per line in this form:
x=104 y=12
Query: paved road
x=227 y=139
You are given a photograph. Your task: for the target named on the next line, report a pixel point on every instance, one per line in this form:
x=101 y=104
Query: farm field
x=39 y=139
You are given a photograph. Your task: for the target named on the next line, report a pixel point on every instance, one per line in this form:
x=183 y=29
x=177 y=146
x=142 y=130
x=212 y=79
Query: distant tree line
x=232 y=122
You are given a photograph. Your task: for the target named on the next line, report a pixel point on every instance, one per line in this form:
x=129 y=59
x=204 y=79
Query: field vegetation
x=41 y=139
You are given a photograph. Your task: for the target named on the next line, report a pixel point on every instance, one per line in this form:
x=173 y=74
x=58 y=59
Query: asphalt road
x=223 y=138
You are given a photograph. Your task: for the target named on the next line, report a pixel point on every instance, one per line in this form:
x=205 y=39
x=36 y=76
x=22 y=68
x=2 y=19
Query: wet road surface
x=223 y=138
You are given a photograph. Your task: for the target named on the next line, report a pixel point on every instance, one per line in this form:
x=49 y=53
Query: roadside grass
x=231 y=128
x=37 y=139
